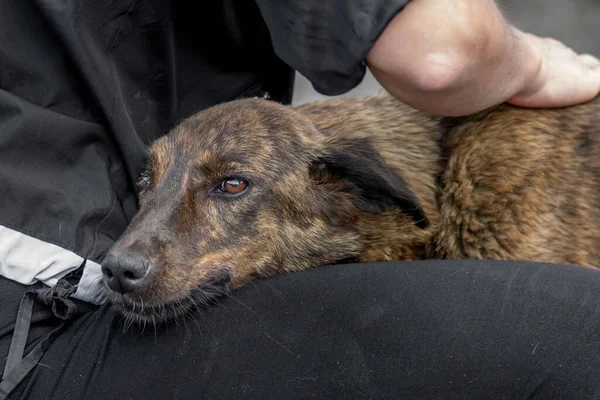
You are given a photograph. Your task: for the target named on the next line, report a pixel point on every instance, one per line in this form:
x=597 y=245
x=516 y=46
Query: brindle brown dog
x=251 y=189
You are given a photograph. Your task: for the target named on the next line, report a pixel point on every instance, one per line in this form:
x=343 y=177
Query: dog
x=252 y=188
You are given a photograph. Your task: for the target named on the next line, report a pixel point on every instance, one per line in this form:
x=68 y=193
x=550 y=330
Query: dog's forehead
x=233 y=135
x=245 y=125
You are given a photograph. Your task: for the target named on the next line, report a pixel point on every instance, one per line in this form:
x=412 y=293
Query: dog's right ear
x=377 y=186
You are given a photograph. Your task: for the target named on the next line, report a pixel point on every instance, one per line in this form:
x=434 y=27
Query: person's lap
x=424 y=329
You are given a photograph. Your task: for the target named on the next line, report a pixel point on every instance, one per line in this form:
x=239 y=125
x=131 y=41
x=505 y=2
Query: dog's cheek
x=260 y=254
x=168 y=283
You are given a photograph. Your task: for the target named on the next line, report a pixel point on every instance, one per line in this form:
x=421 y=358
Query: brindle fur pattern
x=360 y=180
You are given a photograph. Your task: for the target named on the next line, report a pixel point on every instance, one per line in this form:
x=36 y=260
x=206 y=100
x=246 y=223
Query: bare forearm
x=453 y=57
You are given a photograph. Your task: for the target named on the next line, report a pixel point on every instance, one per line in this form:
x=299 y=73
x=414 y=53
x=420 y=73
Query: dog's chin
x=140 y=311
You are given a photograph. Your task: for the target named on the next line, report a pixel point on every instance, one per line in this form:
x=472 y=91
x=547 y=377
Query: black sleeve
x=327 y=41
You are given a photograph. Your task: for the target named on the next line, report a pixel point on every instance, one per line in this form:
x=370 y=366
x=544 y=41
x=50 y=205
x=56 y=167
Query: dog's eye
x=144 y=181
x=233 y=186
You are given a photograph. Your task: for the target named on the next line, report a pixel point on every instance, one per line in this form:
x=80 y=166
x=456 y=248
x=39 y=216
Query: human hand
x=563 y=78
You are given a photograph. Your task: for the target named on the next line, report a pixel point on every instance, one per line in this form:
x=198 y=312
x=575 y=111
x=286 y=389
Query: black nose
x=124 y=272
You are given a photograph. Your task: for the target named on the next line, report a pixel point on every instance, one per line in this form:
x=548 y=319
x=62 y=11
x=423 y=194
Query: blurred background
x=574 y=22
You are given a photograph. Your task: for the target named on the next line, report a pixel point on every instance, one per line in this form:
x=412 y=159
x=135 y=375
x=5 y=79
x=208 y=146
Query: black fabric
x=416 y=330
x=18 y=364
x=328 y=41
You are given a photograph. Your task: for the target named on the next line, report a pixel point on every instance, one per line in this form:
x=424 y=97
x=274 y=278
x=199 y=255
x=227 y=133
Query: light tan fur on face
x=505 y=183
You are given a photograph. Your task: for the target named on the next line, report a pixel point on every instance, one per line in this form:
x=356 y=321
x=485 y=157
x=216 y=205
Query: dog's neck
x=413 y=150
x=410 y=143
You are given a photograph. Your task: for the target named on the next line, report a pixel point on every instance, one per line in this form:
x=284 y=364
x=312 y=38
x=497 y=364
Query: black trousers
x=412 y=330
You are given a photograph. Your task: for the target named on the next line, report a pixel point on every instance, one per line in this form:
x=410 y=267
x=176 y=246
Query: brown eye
x=233 y=186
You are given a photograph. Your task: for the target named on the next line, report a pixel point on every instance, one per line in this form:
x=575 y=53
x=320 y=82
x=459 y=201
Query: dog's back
x=522 y=184
x=511 y=183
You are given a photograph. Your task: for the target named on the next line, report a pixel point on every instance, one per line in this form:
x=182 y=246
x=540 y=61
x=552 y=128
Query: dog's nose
x=124 y=272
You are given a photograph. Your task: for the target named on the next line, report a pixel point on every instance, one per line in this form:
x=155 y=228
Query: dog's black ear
x=376 y=185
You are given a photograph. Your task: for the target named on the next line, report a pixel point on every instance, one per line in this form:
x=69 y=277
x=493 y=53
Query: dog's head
x=247 y=189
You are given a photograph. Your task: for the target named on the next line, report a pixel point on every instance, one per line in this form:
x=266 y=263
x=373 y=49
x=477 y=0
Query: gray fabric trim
x=27 y=260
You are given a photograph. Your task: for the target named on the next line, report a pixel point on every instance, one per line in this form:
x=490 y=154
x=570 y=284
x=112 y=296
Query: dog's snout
x=124 y=272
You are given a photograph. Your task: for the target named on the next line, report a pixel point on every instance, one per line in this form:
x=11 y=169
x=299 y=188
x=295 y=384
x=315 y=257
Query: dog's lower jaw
x=162 y=313
x=139 y=311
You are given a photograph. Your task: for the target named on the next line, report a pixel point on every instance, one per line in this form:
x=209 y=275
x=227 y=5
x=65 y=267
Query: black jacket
x=85 y=86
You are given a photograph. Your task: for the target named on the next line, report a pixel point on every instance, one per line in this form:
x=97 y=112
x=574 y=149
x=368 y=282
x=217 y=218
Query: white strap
x=27 y=260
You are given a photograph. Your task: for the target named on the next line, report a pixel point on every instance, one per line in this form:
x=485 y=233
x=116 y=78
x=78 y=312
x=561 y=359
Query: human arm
x=455 y=57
